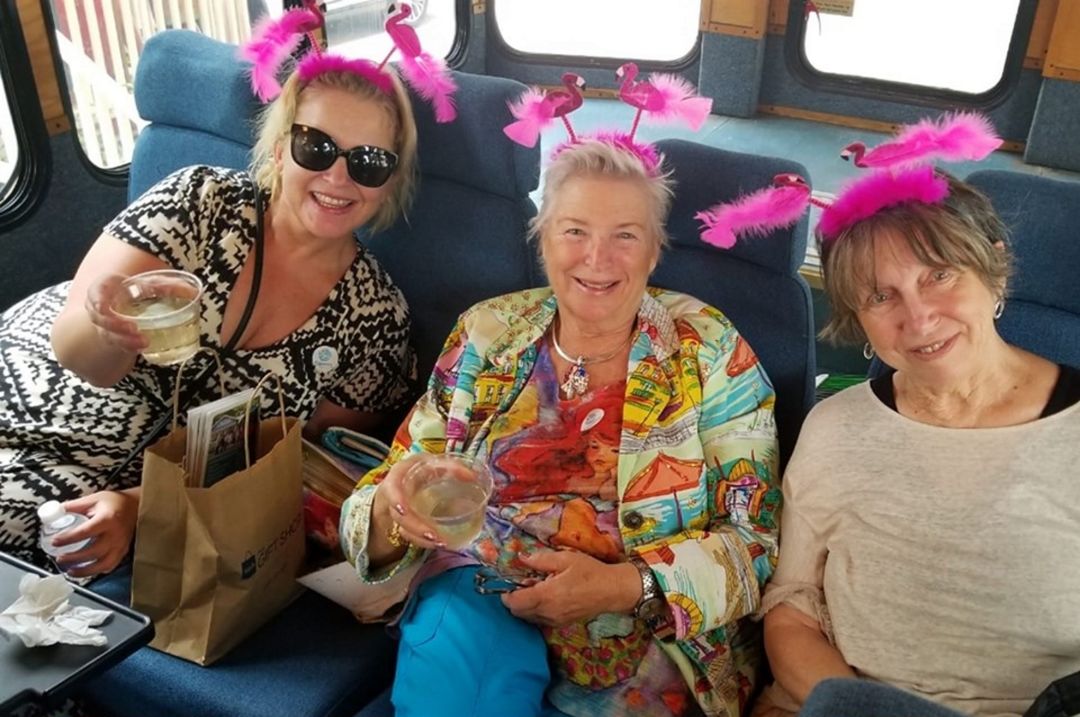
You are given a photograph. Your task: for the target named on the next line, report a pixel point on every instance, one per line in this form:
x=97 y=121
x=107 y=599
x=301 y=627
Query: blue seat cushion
x=313 y=659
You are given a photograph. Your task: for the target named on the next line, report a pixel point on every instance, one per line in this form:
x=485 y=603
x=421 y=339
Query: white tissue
x=43 y=616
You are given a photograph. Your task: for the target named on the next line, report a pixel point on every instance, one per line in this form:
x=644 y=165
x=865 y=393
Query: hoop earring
x=999 y=309
x=867 y=351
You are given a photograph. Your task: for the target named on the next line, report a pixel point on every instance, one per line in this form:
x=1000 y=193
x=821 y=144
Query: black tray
x=46 y=674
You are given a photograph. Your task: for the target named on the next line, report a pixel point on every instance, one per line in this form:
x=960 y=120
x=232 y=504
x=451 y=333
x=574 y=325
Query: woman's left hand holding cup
x=393 y=522
x=113 y=329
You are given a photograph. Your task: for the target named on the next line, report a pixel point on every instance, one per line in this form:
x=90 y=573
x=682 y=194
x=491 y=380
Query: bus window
x=9 y=142
x=959 y=46
x=354 y=28
x=99 y=42
x=657 y=30
x=24 y=147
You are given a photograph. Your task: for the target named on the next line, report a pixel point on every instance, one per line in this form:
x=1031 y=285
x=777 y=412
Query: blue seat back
x=1042 y=311
x=197 y=98
x=463 y=239
x=756 y=283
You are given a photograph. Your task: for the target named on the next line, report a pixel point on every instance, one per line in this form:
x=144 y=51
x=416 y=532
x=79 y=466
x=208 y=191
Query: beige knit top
x=947 y=559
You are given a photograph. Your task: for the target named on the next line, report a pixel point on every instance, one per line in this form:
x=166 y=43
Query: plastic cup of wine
x=164 y=305
x=451 y=492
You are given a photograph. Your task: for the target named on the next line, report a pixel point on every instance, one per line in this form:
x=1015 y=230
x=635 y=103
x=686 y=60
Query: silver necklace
x=576 y=382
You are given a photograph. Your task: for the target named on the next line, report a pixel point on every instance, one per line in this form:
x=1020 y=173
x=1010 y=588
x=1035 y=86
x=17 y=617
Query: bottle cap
x=50 y=510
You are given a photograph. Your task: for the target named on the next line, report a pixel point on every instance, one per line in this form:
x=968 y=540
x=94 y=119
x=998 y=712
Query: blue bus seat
x=462 y=240
x=756 y=283
x=1042 y=309
x=313 y=658
x=196 y=96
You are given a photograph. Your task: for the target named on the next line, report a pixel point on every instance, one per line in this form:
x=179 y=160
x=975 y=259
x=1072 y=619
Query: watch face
x=651 y=608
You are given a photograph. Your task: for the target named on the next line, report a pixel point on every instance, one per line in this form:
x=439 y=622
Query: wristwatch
x=652 y=607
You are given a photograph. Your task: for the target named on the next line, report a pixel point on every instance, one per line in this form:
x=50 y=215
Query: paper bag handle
x=180 y=374
x=247 y=412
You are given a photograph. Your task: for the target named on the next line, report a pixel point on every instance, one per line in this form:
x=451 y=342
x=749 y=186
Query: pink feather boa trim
x=271 y=43
x=645 y=152
x=313 y=65
x=430 y=78
x=868 y=195
x=957 y=137
x=756 y=214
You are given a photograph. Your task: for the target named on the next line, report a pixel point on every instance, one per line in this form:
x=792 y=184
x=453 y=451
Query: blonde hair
x=963 y=232
x=599 y=158
x=276 y=120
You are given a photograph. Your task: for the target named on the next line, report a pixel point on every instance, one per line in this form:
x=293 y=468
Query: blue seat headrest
x=706 y=176
x=472 y=150
x=208 y=87
x=1042 y=215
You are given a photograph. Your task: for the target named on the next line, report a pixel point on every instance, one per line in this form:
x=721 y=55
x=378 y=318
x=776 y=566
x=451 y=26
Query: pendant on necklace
x=577 y=380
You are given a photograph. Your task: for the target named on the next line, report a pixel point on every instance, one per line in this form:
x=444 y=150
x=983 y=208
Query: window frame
x=800 y=68
x=28 y=183
x=114 y=176
x=498 y=43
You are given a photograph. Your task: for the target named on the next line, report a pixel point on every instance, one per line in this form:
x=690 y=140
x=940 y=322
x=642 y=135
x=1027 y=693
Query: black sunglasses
x=314 y=150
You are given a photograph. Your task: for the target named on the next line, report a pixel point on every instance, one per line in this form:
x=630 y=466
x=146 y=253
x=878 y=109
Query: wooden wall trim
x=40 y=51
x=742 y=18
x=1039 y=40
x=1063 y=52
x=778 y=12
x=854 y=122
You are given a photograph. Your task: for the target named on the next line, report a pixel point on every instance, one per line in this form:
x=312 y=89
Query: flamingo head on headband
x=273 y=42
x=661 y=98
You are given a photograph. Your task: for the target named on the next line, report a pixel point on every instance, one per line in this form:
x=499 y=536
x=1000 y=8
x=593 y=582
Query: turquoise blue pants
x=463 y=654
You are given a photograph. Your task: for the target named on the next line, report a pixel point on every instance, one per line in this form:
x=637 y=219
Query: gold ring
x=393 y=536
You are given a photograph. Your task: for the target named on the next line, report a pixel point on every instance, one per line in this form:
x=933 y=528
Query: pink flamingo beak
x=626 y=71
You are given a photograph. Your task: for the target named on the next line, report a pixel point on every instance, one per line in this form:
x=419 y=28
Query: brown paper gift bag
x=213 y=564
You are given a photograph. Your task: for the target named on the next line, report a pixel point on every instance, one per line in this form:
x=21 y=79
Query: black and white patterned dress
x=60 y=437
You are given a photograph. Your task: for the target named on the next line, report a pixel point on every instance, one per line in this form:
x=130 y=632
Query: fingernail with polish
x=399 y=508
x=430 y=536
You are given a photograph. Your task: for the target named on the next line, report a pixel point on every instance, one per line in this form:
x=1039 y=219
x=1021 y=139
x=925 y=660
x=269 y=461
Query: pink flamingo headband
x=273 y=42
x=661 y=98
x=902 y=171
x=756 y=214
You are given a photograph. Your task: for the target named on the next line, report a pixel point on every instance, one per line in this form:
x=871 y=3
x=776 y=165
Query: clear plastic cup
x=450 y=491
x=164 y=305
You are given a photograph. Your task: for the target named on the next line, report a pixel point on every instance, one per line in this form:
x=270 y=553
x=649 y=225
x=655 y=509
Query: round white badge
x=592 y=418
x=325 y=359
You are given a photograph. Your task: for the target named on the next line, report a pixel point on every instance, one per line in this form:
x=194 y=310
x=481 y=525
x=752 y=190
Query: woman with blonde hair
x=288 y=290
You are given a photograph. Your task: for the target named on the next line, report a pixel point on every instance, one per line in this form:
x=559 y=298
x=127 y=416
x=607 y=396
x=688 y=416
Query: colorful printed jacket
x=697 y=484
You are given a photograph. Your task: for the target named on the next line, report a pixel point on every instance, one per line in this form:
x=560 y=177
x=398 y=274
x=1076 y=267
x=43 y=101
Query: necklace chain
x=576 y=382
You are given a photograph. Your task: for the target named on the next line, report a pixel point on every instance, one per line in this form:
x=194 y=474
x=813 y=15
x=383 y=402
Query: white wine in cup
x=451 y=492
x=164 y=305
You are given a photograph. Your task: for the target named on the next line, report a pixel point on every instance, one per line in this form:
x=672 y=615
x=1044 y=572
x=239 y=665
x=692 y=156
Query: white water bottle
x=55 y=520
